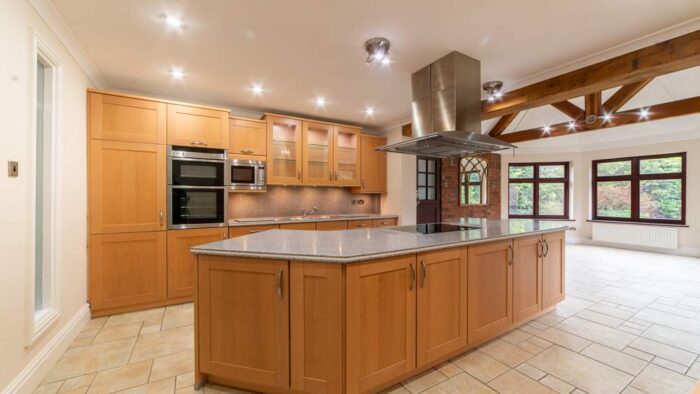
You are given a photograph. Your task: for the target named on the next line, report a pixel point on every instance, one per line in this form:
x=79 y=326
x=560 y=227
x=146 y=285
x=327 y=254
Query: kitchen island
x=356 y=311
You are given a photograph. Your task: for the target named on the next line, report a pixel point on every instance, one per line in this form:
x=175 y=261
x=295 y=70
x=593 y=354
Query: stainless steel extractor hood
x=446 y=111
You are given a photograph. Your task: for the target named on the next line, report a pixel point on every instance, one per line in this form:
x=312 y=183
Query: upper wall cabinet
x=318 y=153
x=127 y=119
x=196 y=126
x=284 y=151
x=247 y=137
x=373 y=168
x=347 y=156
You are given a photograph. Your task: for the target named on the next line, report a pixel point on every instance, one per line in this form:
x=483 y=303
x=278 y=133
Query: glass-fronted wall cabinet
x=347 y=156
x=284 y=151
x=318 y=154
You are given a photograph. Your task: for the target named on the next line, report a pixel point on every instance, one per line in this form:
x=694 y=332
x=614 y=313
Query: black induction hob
x=433 y=228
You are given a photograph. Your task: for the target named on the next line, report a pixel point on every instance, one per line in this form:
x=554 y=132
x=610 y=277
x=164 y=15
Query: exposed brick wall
x=451 y=210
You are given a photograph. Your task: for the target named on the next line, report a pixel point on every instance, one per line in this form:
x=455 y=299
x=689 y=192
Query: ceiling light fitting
x=369 y=111
x=377 y=50
x=320 y=101
x=177 y=73
x=257 y=89
x=644 y=113
x=493 y=90
x=173 y=21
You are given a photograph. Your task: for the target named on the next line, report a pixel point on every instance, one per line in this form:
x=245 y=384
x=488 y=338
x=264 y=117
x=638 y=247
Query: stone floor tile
x=600 y=318
x=538 y=326
x=549 y=319
x=95 y=324
x=462 y=383
x=557 y=385
x=638 y=353
x=515 y=336
x=172 y=365
x=563 y=338
x=50 y=388
x=632 y=390
x=424 y=381
x=595 y=332
x=506 y=353
x=672 y=309
x=163 y=343
x=448 y=369
x=530 y=347
x=675 y=367
x=574 y=303
x=673 y=337
x=513 y=382
x=655 y=379
x=530 y=330
x=632 y=331
x=178 y=316
x=614 y=358
x=77 y=382
x=480 y=365
x=159 y=387
x=88 y=359
x=539 y=342
x=630 y=302
x=398 y=389
x=121 y=378
x=635 y=326
x=184 y=380
x=130 y=317
x=589 y=375
x=694 y=371
x=530 y=371
x=663 y=351
x=80 y=342
x=669 y=320
x=690 y=301
x=149 y=329
x=122 y=331
x=641 y=322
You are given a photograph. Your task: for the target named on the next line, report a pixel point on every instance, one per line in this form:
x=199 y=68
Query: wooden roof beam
x=665 y=57
x=623 y=95
x=570 y=109
x=502 y=124
x=655 y=112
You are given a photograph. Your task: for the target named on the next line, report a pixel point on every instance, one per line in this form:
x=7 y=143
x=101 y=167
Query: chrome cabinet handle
x=336 y=175
x=330 y=174
x=412 y=284
x=546 y=251
x=160 y=217
x=225 y=235
x=254 y=231
x=246 y=151
x=511 y=255
x=363 y=183
x=279 y=283
x=199 y=143
x=540 y=248
x=299 y=173
x=424 y=272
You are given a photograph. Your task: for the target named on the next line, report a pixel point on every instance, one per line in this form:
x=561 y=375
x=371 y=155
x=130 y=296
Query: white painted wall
x=400 y=198
x=689 y=237
x=18 y=23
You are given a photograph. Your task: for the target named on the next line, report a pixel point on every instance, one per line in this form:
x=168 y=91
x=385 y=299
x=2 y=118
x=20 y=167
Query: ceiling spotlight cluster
x=377 y=50
x=493 y=90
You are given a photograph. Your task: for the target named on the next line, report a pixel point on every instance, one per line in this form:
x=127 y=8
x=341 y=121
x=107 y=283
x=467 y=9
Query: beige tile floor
x=630 y=324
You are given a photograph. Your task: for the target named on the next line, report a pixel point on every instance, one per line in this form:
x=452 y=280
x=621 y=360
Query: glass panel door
x=347 y=156
x=284 y=151
x=318 y=154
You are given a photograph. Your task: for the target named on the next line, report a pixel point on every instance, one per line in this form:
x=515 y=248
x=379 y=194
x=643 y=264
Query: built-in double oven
x=198 y=181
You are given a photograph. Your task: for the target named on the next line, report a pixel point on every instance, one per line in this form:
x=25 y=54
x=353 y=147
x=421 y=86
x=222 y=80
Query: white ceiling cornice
x=58 y=26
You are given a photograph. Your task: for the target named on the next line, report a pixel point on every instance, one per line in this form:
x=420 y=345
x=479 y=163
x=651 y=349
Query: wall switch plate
x=12 y=169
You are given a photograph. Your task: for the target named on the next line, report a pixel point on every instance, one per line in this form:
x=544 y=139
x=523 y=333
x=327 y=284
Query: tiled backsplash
x=288 y=201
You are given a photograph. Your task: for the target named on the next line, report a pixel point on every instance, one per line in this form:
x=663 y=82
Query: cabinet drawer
x=330 y=226
x=298 y=226
x=384 y=222
x=352 y=224
x=245 y=230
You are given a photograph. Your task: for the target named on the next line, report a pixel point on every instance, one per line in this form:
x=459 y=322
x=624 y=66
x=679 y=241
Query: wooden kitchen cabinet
x=553 y=263
x=316 y=320
x=332 y=226
x=318 y=153
x=126 y=186
x=284 y=151
x=247 y=137
x=373 y=168
x=353 y=224
x=442 y=304
x=127 y=119
x=127 y=269
x=380 y=345
x=243 y=319
x=237 y=231
x=489 y=290
x=298 y=226
x=197 y=127
x=384 y=222
x=527 y=278
x=346 y=156
x=181 y=262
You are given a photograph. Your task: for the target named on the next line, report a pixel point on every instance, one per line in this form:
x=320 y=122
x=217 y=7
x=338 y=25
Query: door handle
x=160 y=217
x=546 y=251
x=511 y=255
x=199 y=143
x=279 y=282
x=424 y=273
x=412 y=284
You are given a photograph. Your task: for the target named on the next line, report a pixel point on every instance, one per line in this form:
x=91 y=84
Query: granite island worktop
x=347 y=246
x=310 y=219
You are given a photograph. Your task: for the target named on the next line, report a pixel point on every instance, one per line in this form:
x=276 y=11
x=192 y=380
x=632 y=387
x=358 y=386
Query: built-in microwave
x=247 y=175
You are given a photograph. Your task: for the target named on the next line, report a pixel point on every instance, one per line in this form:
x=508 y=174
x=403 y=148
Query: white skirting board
x=638 y=235
x=33 y=373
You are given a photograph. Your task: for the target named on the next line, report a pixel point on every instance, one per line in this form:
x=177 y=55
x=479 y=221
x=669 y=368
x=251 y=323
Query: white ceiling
x=303 y=48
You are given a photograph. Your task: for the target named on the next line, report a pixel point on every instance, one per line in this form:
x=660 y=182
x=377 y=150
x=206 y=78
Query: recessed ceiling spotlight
x=177 y=73
x=320 y=101
x=377 y=50
x=607 y=117
x=572 y=125
x=257 y=89
x=369 y=111
x=644 y=113
x=173 y=21
x=493 y=90
x=547 y=129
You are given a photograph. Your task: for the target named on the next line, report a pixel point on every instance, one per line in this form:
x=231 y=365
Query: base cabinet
x=181 y=261
x=553 y=262
x=527 y=278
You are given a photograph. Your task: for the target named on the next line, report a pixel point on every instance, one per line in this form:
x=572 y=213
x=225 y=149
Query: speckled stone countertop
x=348 y=246
x=312 y=219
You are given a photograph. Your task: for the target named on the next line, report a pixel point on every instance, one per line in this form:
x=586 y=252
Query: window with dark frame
x=538 y=190
x=473 y=179
x=643 y=189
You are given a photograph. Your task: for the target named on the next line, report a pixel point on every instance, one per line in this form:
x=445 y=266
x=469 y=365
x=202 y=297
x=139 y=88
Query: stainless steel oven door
x=197 y=206
x=197 y=172
x=247 y=175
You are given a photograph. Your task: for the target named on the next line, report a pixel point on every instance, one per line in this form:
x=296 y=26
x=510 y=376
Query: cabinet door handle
x=363 y=183
x=160 y=217
x=225 y=234
x=330 y=174
x=424 y=273
x=279 y=283
x=246 y=151
x=199 y=143
x=511 y=255
x=412 y=284
x=254 y=231
x=336 y=175
x=540 y=248
x=299 y=173
x=546 y=251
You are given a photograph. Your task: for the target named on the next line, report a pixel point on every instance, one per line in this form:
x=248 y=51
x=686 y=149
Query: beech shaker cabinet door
x=181 y=262
x=527 y=278
x=117 y=118
x=553 y=263
x=197 y=127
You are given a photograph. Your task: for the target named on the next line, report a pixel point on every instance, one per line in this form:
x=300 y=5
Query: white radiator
x=641 y=235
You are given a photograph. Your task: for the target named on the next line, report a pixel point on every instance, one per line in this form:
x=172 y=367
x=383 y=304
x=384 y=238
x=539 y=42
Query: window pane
x=556 y=171
x=421 y=179
x=431 y=193
x=660 y=199
x=615 y=168
x=614 y=199
x=520 y=198
x=462 y=194
x=475 y=194
x=422 y=193
x=551 y=199
x=431 y=179
x=421 y=165
x=39 y=193
x=473 y=177
x=665 y=165
x=520 y=172
x=431 y=166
